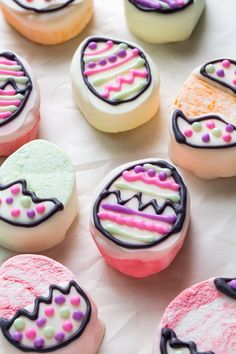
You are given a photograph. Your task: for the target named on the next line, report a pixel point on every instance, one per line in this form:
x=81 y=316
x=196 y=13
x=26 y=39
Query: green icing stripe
x=10 y=67
x=8 y=108
x=157 y=168
x=6 y=98
x=126 y=93
x=126 y=186
x=18 y=79
x=112 y=229
x=105 y=55
x=139 y=63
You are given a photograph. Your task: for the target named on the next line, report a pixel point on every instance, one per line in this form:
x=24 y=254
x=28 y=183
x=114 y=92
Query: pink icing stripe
x=4 y=115
x=89 y=72
x=7 y=92
x=12 y=73
x=8 y=62
x=93 y=53
x=139 y=224
x=141 y=176
x=122 y=80
x=10 y=103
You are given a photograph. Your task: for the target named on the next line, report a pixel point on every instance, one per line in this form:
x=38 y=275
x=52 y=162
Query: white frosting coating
x=50 y=27
x=155 y=27
x=164 y=252
x=28 y=117
x=107 y=117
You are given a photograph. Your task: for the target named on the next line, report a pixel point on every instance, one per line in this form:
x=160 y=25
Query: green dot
x=25 y=202
x=179 y=352
x=217 y=132
x=48 y=332
x=197 y=127
x=19 y=324
x=65 y=312
x=210 y=69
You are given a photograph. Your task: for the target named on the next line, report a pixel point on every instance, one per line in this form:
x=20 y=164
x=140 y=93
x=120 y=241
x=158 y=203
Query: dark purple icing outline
x=162 y=11
x=87 y=83
x=68 y=2
x=26 y=91
x=221 y=284
x=204 y=73
x=35 y=199
x=180 y=209
x=169 y=336
x=181 y=139
x=6 y=324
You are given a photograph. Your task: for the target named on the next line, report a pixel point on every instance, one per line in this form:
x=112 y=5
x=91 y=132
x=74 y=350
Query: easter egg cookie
x=203 y=132
x=48 y=21
x=44 y=310
x=140 y=217
x=115 y=84
x=201 y=320
x=162 y=21
x=19 y=103
x=38 y=199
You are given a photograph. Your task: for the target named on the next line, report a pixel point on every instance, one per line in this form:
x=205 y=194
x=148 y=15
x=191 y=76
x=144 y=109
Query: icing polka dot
x=19 y=324
x=216 y=132
x=206 y=138
x=9 y=200
x=39 y=343
x=30 y=333
x=139 y=169
x=234 y=81
x=210 y=69
x=112 y=58
x=226 y=64
x=229 y=128
x=65 y=312
x=91 y=65
x=220 y=73
x=60 y=299
x=227 y=138
x=60 y=336
x=15 y=190
x=15 y=213
x=67 y=326
x=122 y=53
x=78 y=315
x=41 y=322
x=92 y=45
x=102 y=62
x=40 y=208
x=49 y=311
x=197 y=127
x=48 y=332
x=162 y=176
x=151 y=172
x=31 y=214
x=25 y=202
x=188 y=133
x=232 y=283
x=75 y=300
x=210 y=124
x=17 y=336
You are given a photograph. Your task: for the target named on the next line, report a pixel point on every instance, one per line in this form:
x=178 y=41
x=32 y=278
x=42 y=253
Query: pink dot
x=49 y=311
x=226 y=64
x=15 y=212
x=67 y=326
x=75 y=300
x=15 y=190
x=188 y=133
x=30 y=333
x=210 y=124
x=234 y=81
x=227 y=138
x=0 y=201
x=40 y=208
x=135 y=51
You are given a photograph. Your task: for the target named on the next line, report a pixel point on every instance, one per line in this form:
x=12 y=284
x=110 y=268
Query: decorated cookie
x=19 y=103
x=203 y=138
x=161 y=21
x=201 y=320
x=44 y=310
x=115 y=84
x=38 y=199
x=48 y=21
x=140 y=217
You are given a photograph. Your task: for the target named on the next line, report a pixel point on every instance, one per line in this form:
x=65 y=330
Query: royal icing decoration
x=164 y=6
x=209 y=131
x=170 y=344
x=42 y=6
x=142 y=206
x=55 y=321
x=114 y=71
x=223 y=72
x=20 y=207
x=15 y=87
x=227 y=286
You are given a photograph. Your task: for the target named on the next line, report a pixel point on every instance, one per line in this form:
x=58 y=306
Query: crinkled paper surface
x=131 y=309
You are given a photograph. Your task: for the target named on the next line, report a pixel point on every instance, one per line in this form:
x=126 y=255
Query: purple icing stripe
x=170 y=219
x=173 y=4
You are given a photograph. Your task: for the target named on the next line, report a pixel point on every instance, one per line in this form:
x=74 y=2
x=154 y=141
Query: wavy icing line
x=116 y=230
x=123 y=80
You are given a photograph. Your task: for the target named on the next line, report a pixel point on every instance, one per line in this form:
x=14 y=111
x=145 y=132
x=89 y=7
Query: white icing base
x=29 y=116
x=109 y=118
x=155 y=27
x=49 y=28
x=164 y=252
